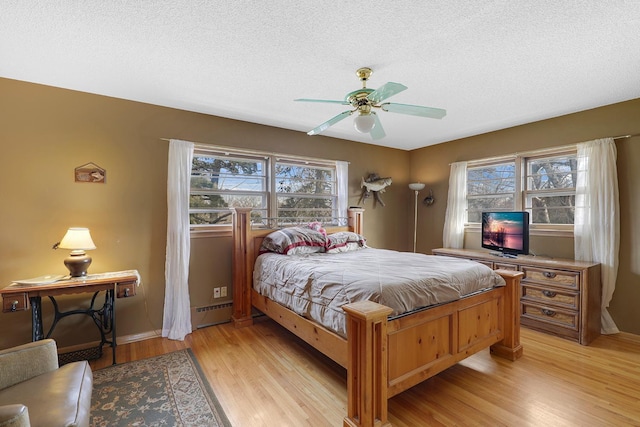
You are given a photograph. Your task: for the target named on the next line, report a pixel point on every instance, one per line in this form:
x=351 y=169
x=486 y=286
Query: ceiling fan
x=365 y=100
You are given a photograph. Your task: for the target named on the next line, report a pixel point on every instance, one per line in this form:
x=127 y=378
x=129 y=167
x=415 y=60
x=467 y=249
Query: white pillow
x=344 y=241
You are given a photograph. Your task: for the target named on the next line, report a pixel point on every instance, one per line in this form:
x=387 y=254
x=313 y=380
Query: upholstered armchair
x=34 y=391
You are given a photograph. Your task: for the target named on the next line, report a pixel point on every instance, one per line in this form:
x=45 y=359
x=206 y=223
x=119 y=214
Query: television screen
x=507 y=232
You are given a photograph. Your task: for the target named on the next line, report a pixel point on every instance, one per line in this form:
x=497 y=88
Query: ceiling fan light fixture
x=364 y=123
x=365 y=99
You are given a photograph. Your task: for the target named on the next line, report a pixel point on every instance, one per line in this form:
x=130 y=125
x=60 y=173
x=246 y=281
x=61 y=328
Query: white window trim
x=226 y=231
x=556 y=230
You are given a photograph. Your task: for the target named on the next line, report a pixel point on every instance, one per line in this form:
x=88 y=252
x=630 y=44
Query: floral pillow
x=344 y=241
x=294 y=241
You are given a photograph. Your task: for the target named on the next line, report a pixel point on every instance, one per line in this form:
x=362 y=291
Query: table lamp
x=78 y=240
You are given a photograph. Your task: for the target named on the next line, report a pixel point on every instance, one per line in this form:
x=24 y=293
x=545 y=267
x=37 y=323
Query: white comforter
x=316 y=286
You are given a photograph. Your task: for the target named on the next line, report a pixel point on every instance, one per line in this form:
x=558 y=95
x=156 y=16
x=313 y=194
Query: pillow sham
x=294 y=241
x=344 y=241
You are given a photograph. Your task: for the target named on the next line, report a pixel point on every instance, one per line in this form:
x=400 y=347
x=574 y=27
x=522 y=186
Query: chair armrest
x=27 y=361
x=14 y=416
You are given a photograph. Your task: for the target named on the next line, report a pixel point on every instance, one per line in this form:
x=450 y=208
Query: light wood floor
x=264 y=376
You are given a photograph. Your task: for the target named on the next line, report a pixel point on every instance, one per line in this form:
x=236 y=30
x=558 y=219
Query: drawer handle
x=549 y=275
x=549 y=294
x=547 y=312
x=14 y=305
x=126 y=292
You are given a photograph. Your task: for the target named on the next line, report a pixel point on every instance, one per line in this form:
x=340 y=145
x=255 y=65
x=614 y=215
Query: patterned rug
x=167 y=390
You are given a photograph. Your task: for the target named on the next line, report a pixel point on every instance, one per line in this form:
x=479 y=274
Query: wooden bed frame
x=385 y=357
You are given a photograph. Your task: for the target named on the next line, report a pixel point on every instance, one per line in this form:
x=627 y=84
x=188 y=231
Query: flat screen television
x=506 y=232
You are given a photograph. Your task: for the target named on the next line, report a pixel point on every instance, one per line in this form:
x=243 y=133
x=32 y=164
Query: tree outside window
x=544 y=185
x=292 y=190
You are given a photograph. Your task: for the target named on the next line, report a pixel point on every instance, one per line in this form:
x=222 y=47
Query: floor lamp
x=416 y=187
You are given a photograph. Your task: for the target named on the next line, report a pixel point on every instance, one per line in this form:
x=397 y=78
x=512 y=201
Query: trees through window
x=293 y=189
x=544 y=185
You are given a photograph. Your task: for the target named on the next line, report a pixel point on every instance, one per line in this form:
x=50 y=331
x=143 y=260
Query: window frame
x=521 y=187
x=526 y=191
x=328 y=165
x=270 y=159
x=489 y=163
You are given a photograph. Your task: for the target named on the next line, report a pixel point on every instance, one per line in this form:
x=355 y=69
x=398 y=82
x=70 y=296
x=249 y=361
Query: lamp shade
x=416 y=186
x=77 y=239
x=364 y=123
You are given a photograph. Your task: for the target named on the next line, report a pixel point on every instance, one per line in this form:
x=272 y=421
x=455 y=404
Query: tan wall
x=431 y=165
x=47 y=132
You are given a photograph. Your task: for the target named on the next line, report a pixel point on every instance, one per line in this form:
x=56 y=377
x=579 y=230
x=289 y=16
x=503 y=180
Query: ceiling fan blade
x=321 y=100
x=414 y=110
x=332 y=121
x=385 y=91
x=377 y=132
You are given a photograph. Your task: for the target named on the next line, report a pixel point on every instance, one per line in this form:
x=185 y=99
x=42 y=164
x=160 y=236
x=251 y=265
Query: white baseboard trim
x=140 y=337
x=120 y=340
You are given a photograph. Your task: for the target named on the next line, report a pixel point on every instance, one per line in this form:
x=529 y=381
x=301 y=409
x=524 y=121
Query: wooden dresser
x=559 y=296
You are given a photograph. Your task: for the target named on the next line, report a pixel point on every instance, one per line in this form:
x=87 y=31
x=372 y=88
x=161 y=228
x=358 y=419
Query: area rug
x=167 y=390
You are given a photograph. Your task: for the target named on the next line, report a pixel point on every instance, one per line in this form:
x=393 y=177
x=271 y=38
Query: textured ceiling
x=491 y=64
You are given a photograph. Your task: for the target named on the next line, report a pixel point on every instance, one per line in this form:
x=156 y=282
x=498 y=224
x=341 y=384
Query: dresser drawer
x=565 y=279
x=545 y=296
x=550 y=315
x=502 y=266
x=483 y=261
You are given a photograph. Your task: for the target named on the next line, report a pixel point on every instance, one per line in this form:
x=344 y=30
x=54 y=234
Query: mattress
x=317 y=285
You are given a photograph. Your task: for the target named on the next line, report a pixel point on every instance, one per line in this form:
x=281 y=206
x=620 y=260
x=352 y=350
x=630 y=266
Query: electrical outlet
x=223 y=291
x=216 y=292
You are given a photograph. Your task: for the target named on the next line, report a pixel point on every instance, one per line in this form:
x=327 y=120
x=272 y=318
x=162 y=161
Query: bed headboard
x=246 y=247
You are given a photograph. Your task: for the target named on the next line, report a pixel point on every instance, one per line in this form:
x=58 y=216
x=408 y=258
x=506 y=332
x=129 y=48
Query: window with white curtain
x=293 y=189
x=542 y=183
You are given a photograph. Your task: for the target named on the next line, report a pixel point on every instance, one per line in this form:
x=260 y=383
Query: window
x=305 y=192
x=290 y=189
x=490 y=188
x=542 y=183
x=550 y=189
x=220 y=181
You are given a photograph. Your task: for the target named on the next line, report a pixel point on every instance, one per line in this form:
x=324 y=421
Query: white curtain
x=597 y=216
x=176 y=322
x=453 y=234
x=342 y=172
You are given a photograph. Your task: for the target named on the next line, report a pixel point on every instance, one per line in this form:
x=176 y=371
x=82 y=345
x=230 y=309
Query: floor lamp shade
x=78 y=240
x=416 y=187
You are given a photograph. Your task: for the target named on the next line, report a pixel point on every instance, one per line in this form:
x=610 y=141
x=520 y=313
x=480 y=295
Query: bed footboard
x=387 y=357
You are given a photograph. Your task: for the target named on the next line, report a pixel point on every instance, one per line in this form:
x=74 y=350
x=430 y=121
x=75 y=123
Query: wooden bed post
x=356 y=220
x=241 y=256
x=510 y=347
x=367 y=366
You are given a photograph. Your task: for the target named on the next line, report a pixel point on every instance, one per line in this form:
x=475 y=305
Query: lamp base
x=78 y=264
